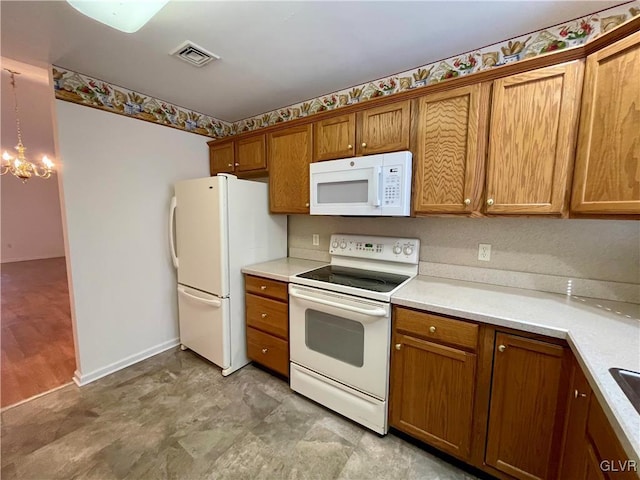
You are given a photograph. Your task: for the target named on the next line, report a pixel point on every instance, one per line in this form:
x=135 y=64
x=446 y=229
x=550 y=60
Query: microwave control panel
x=392 y=249
x=392 y=186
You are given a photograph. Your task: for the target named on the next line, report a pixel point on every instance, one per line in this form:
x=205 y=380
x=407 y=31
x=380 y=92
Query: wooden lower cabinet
x=591 y=449
x=526 y=410
x=267 y=318
x=432 y=386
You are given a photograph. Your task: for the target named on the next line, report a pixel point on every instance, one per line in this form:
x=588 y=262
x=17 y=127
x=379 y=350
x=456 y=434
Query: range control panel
x=390 y=249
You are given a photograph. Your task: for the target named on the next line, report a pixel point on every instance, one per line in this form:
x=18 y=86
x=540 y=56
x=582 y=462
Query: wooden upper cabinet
x=449 y=146
x=527 y=402
x=221 y=158
x=607 y=173
x=384 y=129
x=531 y=140
x=251 y=154
x=334 y=138
x=289 y=155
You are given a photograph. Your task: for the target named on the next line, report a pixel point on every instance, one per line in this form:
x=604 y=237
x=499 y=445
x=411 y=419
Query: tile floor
x=175 y=416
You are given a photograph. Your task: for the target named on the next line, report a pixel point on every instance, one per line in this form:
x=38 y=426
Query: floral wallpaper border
x=78 y=88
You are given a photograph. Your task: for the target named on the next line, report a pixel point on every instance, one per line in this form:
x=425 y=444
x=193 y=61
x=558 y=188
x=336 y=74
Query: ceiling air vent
x=193 y=54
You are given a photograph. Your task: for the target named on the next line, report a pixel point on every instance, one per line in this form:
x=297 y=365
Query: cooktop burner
x=355 y=277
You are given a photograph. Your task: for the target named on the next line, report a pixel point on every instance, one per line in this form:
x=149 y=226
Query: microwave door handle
x=376 y=186
x=374 y=312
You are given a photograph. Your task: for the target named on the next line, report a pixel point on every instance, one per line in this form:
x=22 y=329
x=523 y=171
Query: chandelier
x=18 y=165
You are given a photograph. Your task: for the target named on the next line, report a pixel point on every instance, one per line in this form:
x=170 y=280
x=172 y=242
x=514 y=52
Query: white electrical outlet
x=316 y=239
x=484 y=252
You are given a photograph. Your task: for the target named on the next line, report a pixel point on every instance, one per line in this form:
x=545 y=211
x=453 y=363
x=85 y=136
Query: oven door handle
x=373 y=312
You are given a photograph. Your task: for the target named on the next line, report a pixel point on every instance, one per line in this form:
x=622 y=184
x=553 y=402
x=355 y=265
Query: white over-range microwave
x=376 y=185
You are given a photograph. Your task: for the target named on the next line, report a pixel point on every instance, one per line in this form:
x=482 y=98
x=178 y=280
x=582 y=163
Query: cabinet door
x=432 y=390
x=289 y=153
x=449 y=148
x=221 y=158
x=574 y=452
x=384 y=129
x=334 y=138
x=531 y=140
x=251 y=154
x=523 y=439
x=607 y=173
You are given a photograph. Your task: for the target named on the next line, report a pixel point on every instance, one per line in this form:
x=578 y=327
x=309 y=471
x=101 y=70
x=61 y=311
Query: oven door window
x=336 y=337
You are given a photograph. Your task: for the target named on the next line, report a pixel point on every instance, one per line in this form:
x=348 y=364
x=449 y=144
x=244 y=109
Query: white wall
x=31 y=221
x=117 y=182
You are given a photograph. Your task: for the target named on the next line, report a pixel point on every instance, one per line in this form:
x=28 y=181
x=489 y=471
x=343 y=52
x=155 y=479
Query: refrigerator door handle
x=172 y=232
x=206 y=301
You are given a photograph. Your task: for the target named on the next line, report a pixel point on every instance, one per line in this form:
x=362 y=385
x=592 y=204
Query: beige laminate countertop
x=601 y=333
x=282 y=269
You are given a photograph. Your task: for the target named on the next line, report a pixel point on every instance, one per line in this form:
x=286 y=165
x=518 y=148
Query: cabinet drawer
x=436 y=328
x=270 y=316
x=268 y=350
x=266 y=287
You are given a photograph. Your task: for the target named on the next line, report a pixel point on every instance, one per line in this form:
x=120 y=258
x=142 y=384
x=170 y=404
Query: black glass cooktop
x=355 y=277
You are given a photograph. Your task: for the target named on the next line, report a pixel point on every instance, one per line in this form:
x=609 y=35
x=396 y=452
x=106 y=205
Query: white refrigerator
x=217 y=225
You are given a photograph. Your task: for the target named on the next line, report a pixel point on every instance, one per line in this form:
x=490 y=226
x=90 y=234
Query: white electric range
x=340 y=325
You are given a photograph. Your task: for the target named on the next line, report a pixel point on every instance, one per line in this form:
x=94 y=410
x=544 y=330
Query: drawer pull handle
x=349 y=146
x=432 y=329
x=467 y=201
x=502 y=348
x=237 y=164
x=230 y=165
x=490 y=202
x=577 y=394
x=263 y=287
x=364 y=145
x=398 y=346
x=265 y=350
x=264 y=315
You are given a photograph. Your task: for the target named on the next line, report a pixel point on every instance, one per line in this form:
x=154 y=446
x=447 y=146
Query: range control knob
x=408 y=250
x=335 y=244
x=343 y=245
x=397 y=249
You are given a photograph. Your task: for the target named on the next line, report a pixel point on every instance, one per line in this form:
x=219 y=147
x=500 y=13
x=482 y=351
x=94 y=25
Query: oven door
x=343 y=337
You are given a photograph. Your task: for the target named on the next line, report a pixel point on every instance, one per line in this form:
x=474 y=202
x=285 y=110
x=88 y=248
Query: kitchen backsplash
x=79 y=88
x=591 y=258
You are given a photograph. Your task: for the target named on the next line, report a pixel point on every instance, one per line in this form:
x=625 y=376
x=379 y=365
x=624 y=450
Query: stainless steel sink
x=629 y=383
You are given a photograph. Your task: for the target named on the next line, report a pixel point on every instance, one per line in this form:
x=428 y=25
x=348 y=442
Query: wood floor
x=36 y=334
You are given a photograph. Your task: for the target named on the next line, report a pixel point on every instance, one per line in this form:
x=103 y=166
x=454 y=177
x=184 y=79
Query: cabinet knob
x=265 y=350
x=398 y=346
x=432 y=329
x=237 y=164
x=230 y=165
x=364 y=144
x=577 y=394
x=502 y=348
x=490 y=202
x=264 y=315
x=467 y=201
x=306 y=204
x=263 y=287
x=349 y=146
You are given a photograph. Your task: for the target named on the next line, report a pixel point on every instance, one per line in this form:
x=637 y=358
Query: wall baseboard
x=82 y=379
x=29 y=258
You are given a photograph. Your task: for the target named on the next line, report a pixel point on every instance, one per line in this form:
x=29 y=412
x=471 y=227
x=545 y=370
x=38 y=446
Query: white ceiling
x=273 y=53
